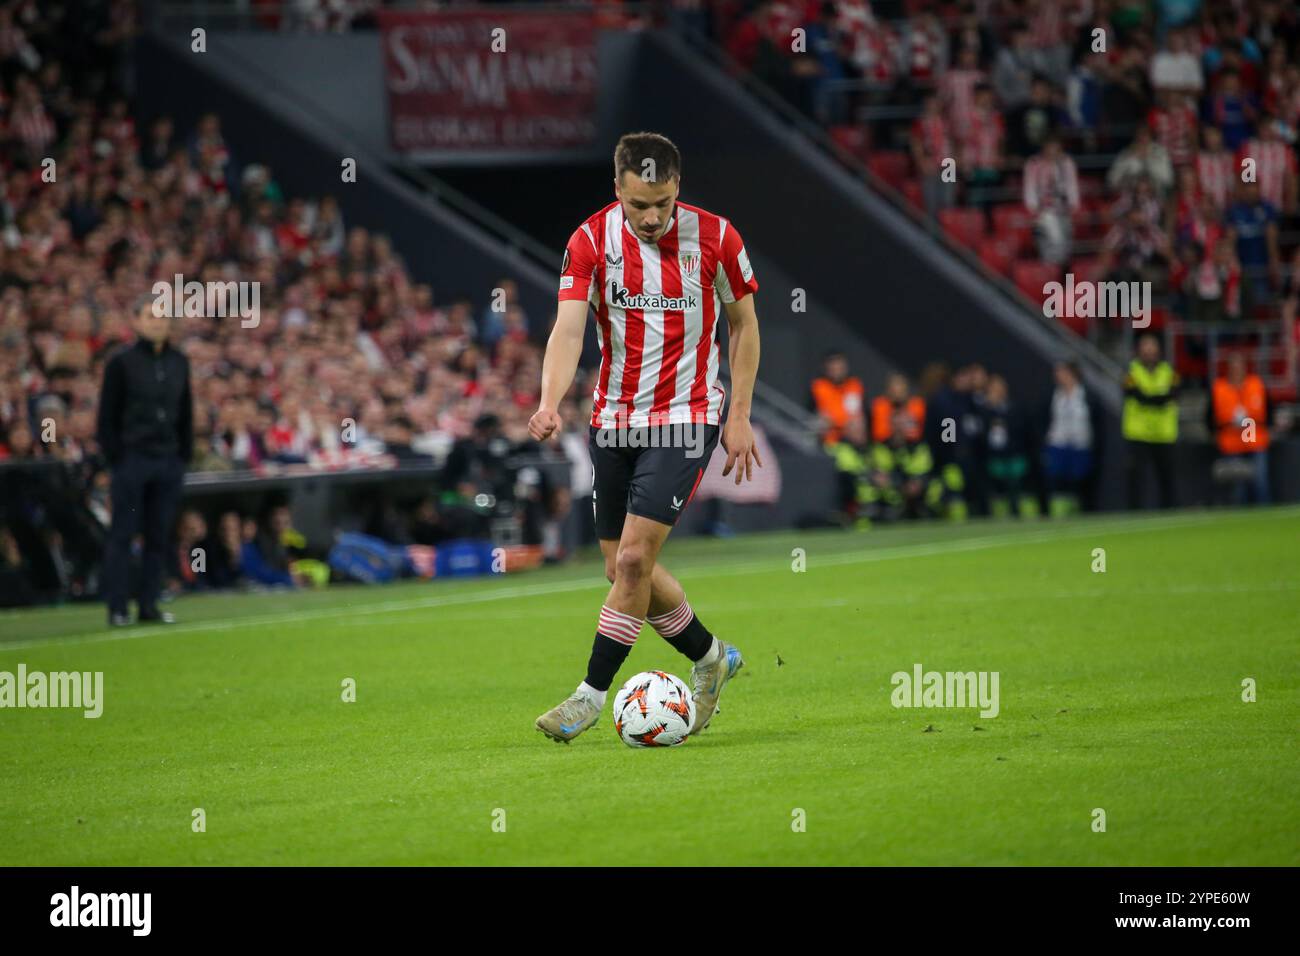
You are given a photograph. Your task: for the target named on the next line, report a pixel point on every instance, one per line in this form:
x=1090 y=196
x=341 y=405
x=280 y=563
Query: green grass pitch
x=1119 y=690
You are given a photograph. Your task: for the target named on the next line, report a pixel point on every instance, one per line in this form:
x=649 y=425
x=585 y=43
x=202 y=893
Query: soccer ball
x=653 y=709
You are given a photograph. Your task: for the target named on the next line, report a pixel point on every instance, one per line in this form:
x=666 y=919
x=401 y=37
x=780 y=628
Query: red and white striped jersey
x=657 y=305
x=1274 y=164
x=1216 y=173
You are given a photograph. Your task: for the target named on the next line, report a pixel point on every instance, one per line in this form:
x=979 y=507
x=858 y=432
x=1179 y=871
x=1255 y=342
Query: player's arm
x=737 y=434
x=563 y=349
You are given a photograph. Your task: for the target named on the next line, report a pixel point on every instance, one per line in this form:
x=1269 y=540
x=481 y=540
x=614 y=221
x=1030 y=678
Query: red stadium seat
x=1079 y=325
x=1013 y=222
x=997 y=255
x=912 y=191
x=1030 y=277
x=964 y=226
x=853 y=139
x=890 y=165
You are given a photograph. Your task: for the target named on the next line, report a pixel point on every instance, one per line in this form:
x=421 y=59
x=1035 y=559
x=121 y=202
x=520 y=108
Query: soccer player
x=659 y=274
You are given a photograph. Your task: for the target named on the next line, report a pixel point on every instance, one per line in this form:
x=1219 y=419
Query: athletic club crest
x=690 y=262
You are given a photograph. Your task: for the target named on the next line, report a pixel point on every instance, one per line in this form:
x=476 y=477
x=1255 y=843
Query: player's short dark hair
x=634 y=149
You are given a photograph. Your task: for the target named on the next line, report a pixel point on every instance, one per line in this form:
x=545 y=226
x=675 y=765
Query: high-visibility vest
x=1157 y=424
x=882 y=418
x=837 y=401
x=1234 y=436
x=914 y=461
x=847 y=458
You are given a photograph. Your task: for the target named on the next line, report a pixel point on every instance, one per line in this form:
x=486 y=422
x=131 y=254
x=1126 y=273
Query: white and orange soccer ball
x=653 y=709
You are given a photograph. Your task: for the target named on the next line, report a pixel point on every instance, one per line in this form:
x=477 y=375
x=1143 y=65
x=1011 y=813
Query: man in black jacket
x=146 y=434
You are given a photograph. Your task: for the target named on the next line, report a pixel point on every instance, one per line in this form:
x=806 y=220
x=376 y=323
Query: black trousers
x=1150 y=457
x=145 y=493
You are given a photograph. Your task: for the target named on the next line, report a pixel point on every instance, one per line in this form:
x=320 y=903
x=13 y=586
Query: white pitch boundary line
x=1129 y=526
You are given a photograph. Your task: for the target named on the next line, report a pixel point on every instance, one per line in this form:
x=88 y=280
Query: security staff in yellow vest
x=1150 y=422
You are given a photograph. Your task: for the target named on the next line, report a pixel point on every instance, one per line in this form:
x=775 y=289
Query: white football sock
x=598 y=695
x=711 y=658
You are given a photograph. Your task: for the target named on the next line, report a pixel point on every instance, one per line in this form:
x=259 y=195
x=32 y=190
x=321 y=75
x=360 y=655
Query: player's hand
x=544 y=423
x=738 y=442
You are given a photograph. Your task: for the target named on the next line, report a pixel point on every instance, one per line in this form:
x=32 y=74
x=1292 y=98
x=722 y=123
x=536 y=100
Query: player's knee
x=634 y=563
x=610 y=569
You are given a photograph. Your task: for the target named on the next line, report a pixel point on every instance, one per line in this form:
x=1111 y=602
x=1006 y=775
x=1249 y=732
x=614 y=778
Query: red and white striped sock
x=618 y=626
x=673 y=622
x=683 y=630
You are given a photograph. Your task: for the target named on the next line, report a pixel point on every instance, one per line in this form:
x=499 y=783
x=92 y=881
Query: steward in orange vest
x=897 y=399
x=836 y=396
x=1240 y=407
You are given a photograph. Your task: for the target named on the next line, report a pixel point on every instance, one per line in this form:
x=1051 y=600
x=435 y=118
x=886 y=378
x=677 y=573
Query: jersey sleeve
x=578 y=270
x=735 y=277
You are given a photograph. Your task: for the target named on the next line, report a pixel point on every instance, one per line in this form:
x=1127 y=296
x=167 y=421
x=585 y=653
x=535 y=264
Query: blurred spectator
x=1051 y=194
x=1239 y=405
x=1216 y=168
x=1014 y=69
x=982 y=148
x=1071 y=439
x=276 y=554
x=836 y=395
x=1007 y=433
x=1231 y=109
x=1150 y=422
x=15 y=580
x=189 y=570
x=1175 y=68
x=897 y=401
x=1254 y=227
x=932 y=146
x=852 y=454
x=1174 y=124
x=225 y=552
x=1133 y=248
x=1144 y=159
x=1275 y=164
x=952 y=432
x=1030 y=126
x=902 y=483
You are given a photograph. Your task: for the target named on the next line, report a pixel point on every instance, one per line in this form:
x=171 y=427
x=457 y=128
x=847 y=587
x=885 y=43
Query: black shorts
x=650 y=472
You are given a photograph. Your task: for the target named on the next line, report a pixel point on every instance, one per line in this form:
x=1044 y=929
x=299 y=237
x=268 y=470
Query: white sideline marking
x=1127 y=526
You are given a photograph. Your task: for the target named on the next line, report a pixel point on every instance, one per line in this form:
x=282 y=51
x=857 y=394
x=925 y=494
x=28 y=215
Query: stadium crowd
x=349 y=363
x=1113 y=140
